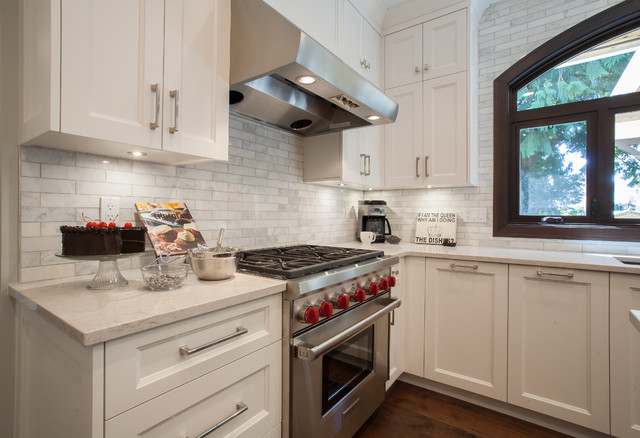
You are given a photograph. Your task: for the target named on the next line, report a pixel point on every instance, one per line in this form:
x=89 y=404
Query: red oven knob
x=341 y=301
x=358 y=295
x=374 y=289
x=392 y=281
x=326 y=309
x=384 y=284
x=308 y=314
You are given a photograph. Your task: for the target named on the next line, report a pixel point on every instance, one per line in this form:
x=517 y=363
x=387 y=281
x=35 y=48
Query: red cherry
x=91 y=224
x=102 y=225
x=112 y=224
x=128 y=225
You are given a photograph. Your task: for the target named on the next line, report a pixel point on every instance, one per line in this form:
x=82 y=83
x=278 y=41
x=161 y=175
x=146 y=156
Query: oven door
x=339 y=370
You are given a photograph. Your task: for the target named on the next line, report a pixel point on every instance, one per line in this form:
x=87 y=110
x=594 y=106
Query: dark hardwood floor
x=411 y=412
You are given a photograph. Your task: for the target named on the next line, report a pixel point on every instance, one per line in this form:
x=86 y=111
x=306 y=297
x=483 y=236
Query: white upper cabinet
x=124 y=75
x=351 y=158
x=403 y=139
x=433 y=49
x=444 y=45
x=362 y=47
x=426 y=73
x=403 y=57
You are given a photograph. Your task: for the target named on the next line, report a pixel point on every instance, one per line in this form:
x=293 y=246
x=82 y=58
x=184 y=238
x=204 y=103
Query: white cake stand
x=108 y=275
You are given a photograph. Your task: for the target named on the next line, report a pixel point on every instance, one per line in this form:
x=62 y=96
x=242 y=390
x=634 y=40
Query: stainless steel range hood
x=268 y=57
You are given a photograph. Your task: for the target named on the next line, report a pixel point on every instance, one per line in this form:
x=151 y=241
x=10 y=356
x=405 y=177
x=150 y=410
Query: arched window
x=567 y=134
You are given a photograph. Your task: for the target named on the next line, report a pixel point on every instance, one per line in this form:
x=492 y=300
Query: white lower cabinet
x=625 y=356
x=466 y=325
x=179 y=380
x=559 y=343
x=239 y=399
x=396 y=335
x=414 y=291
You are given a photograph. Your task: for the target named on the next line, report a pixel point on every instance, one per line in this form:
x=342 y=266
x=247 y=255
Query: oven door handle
x=312 y=353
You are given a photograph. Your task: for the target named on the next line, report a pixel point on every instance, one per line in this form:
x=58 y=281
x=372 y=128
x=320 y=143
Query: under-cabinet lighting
x=373 y=117
x=106 y=161
x=306 y=79
x=137 y=153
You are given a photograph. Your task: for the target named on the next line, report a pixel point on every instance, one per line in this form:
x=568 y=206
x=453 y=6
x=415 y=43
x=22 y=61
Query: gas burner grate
x=299 y=260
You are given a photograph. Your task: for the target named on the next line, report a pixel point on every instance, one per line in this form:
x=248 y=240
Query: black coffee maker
x=372 y=216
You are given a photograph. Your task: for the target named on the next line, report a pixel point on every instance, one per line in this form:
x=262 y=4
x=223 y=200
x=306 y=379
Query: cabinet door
x=353 y=160
x=373 y=55
x=196 y=85
x=446 y=149
x=444 y=45
x=352 y=34
x=403 y=57
x=559 y=344
x=625 y=357
x=403 y=157
x=112 y=55
x=371 y=145
x=414 y=290
x=466 y=325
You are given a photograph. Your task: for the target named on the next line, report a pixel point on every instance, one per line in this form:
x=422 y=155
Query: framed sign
x=436 y=228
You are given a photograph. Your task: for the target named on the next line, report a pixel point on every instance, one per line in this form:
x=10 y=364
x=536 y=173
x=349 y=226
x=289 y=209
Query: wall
x=508 y=30
x=258 y=197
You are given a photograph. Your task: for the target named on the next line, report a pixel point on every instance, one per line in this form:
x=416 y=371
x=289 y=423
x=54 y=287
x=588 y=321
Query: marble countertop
x=91 y=316
x=95 y=316
x=557 y=259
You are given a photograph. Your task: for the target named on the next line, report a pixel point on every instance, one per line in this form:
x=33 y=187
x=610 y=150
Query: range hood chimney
x=271 y=59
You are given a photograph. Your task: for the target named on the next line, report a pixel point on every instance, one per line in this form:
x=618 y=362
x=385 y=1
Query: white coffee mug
x=367 y=237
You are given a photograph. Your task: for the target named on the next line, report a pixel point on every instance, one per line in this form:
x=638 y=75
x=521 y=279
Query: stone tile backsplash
x=259 y=197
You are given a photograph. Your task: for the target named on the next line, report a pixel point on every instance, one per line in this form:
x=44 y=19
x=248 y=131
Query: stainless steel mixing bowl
x=214 y=263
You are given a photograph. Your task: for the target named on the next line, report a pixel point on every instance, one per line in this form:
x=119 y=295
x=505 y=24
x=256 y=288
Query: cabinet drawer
x=145 y=365
x=253 y=382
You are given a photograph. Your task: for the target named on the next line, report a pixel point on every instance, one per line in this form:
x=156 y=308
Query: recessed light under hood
x=269 y=55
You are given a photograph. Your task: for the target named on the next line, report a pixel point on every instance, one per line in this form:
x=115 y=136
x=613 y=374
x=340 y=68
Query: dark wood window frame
x=600 y=114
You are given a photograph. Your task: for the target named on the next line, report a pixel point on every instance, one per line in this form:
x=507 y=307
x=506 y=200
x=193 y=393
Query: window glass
x=627 y=166
x=608 y=69
x=552 y=168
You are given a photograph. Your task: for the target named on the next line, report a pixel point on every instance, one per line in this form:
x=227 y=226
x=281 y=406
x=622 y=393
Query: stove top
x=300 y=260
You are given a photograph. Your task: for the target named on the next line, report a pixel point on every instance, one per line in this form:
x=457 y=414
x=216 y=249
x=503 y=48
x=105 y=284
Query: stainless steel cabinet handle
x=392 y=318
x=417 y=69
x=456 y=265
x=156 y=121
x=364 y=164
x=551 y=274
x=426 y=172
x=312 y=353
x=368 y=159
x=175 y=96
x=417 y=167
x=425 y=67
x=240 y=409
x=186 y=351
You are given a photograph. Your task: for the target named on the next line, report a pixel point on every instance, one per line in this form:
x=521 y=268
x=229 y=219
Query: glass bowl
x=164 y=276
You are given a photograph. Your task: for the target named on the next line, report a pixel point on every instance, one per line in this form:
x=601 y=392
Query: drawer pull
x=455 y=265
x=186 y=351
x=240 y=409
x=551 y=274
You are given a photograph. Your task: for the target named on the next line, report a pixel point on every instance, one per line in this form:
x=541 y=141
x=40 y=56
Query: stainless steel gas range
x=336 y=314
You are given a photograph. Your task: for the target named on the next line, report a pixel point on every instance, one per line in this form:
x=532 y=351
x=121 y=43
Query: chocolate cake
x=133 y=239
x=93 y=240
x=78 y=241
